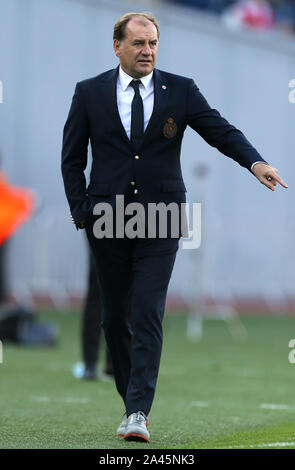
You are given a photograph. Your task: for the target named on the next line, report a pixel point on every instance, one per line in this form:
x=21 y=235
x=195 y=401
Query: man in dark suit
x=135 y=117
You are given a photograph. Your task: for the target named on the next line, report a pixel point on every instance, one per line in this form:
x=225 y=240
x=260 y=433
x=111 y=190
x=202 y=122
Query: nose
x=146 y=50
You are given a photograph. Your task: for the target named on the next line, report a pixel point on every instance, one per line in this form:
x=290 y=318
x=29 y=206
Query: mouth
x=145 y=61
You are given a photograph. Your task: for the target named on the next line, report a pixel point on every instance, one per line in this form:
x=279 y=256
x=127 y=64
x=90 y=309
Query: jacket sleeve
x=74 y=156
x=217 y=131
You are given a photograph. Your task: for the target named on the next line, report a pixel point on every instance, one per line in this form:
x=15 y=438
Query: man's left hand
x=79 y=225
x=268 y=176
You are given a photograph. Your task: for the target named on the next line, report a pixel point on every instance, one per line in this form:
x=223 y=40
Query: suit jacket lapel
x=161 y=94
x=110 y=98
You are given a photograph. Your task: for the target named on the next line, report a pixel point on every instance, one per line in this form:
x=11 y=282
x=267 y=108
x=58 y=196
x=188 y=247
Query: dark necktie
x=137 y=120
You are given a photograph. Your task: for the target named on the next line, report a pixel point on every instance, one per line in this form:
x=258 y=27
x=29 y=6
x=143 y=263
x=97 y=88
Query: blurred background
x=241 y=54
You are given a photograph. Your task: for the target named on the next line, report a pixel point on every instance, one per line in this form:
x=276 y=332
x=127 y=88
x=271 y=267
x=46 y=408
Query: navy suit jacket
x=94 y=117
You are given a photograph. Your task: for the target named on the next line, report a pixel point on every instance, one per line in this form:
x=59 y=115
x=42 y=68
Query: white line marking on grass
x=269 y=444
x=276 y=444
x=44 y=399
x=234 y=419
x=275 y=406
x=75 y=400
x=41 y=399
x=249 y=372
x=200 y=403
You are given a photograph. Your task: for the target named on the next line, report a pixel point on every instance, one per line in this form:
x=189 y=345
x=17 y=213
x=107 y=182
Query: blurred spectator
x=202 y=4
x=91 y=332
x=16 y=206
x=285 y=14
x=20 y=325
x=2 y=278
x=261 y=15
x=255 y=14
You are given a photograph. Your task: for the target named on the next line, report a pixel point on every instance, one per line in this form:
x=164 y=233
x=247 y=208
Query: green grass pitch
x=216 y=393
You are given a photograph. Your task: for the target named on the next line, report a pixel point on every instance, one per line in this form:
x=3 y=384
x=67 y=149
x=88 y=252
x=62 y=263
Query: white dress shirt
x=125 y=94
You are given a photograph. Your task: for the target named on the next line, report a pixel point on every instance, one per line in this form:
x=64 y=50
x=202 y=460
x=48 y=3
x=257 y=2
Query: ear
x=117 y=47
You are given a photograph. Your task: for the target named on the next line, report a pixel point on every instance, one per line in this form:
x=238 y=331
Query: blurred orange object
x=16 y=206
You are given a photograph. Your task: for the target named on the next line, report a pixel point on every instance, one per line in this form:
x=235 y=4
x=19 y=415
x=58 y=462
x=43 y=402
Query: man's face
x=138 y=51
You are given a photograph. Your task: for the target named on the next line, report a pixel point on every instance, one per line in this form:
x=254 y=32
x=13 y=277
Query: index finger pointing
x=279 y=180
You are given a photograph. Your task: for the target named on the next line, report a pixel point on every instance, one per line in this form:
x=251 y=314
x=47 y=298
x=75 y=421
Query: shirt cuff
x=252 y=166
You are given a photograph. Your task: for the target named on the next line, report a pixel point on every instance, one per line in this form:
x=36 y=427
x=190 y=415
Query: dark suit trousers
x=134 y=275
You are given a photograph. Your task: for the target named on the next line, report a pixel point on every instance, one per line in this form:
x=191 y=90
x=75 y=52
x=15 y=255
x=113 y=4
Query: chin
x=144 y=69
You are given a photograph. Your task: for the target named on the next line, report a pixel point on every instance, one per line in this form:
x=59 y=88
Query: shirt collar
x=125 y=79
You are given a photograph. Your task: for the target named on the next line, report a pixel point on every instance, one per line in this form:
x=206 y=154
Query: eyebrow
x=142 y=40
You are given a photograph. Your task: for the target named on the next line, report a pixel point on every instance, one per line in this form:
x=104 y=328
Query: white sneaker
x=136 y=427
x=121 y=431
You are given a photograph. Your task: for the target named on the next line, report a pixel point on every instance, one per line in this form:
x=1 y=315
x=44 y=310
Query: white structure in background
x=198 y=310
